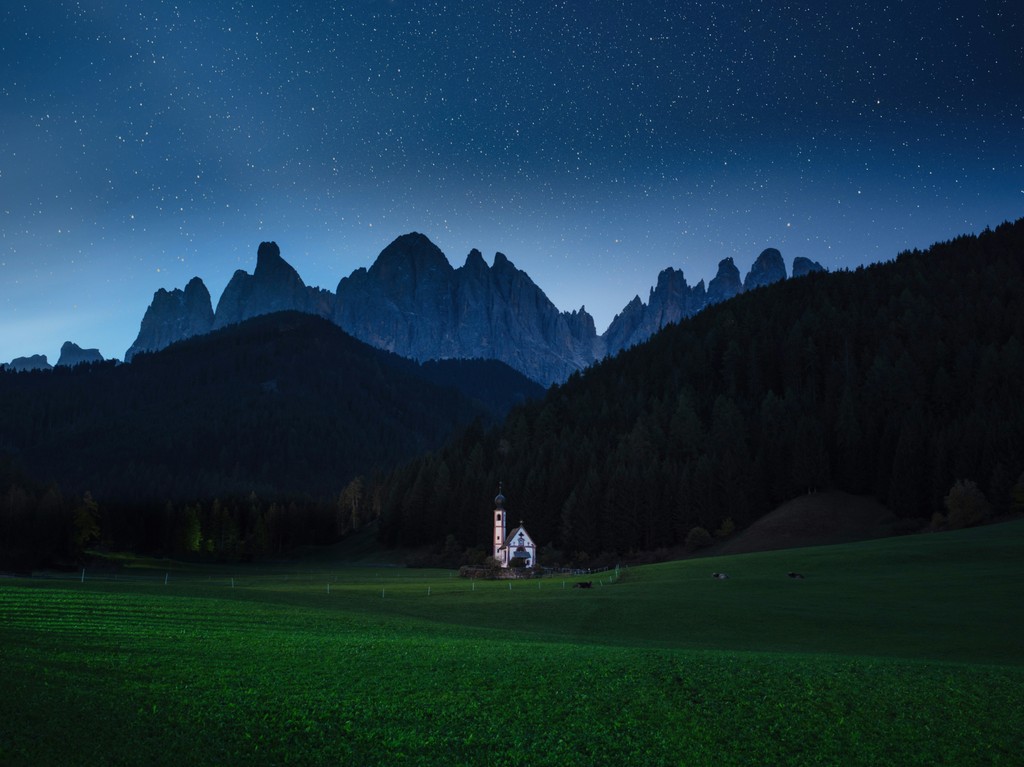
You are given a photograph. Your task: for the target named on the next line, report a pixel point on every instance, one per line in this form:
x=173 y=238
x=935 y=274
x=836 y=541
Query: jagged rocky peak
x=726 y=283
x=402 y=302
x=267 y=251
x=671 y=300
x=635 y=304
x=197 y=297
x=804 y=266
x=174 y=316
x=670 y=279
x=274 y=286
x=475 y=263
x=270 y=265
x=411 y=255
x=631 y=314
x=768 y=268
x=33 y=362
x=625 y=326
x=412 y=302
x=72 y=354
x=511 y=280
x=581 y=324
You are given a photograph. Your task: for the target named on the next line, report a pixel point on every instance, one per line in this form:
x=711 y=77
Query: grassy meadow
x=904 y=651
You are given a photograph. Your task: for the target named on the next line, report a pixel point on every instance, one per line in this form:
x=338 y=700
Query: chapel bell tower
x=499 y=524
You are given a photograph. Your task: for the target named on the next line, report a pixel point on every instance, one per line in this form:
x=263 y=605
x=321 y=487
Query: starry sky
x=594 y=143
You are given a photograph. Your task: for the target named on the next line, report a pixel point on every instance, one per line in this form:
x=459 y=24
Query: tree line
x=42 y=527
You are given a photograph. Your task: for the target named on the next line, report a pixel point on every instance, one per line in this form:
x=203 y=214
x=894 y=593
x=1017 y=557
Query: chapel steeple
x=498 y=541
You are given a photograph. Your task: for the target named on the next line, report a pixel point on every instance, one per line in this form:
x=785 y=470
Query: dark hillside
x=281 y=405
x=896 y=381
x=239 y=444
x=492 y=384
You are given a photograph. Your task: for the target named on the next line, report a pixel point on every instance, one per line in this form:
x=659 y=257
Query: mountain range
x=412 y=302
x=71 y=354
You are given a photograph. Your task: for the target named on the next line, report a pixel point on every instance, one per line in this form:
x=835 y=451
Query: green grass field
x=903 y=651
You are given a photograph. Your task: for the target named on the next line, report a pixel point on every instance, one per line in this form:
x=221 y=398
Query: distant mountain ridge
x=411 y=301
x=71 y=354
x=25 y=364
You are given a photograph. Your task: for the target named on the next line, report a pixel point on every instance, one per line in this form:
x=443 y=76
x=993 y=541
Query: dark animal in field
x=583 y=585
x=720 y=576
x=796 y=575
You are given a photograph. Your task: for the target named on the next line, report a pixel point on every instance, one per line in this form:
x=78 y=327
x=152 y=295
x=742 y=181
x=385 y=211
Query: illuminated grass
x=894 y=652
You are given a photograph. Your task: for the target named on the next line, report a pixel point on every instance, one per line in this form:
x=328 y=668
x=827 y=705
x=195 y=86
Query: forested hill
x=895 y=380
x=285 y=406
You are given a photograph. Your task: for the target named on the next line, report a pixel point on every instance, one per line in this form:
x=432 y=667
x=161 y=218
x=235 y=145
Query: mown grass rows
x=639 y=673
x=270 y=685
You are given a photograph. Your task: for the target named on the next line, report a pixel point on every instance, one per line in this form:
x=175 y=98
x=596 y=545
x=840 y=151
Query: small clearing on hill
x=816 y=519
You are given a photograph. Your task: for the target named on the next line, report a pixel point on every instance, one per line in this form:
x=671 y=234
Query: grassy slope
x=812 y=520
x=902 y=651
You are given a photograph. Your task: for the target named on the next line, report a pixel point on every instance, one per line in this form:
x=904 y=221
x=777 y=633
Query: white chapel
x=516 y=545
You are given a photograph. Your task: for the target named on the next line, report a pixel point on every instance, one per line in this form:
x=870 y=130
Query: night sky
x=594 y=143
